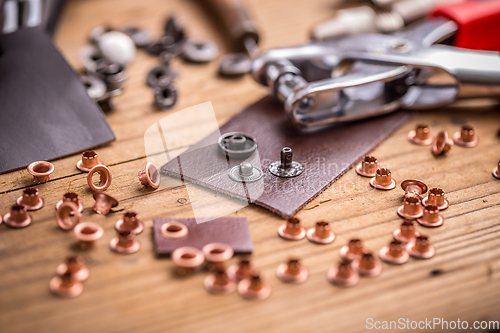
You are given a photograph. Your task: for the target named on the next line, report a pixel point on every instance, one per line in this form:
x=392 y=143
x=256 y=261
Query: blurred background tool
x=386 y=16
x=242 y=31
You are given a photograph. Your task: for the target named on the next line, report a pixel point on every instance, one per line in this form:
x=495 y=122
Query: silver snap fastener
x=245 y=173
x=286 y=168
x=237 y=145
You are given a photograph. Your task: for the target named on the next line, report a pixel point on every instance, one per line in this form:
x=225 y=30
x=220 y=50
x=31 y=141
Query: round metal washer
x=200 y=50
x=237 y=144
x=295 y=170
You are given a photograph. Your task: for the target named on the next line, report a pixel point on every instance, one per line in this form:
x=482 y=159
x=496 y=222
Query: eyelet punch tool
x=362 y=76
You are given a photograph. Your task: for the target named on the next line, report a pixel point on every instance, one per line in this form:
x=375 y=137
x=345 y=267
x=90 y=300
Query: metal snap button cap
x=245 y=173
x=343 y=275
x=321 y=233
x=72 y=197
x=63 y=215
x=436 y=198
x=368 y=265
x=292 y=271
x=411 y=208
x=41 y=171
x=150 y=176
x=104 y=180
x=237 y=145
x=466 y=137
x=421 y=135
x=88 y=161
x=367 y=167
x=395 y=253
x=254 y=288
x=406 y=233
x=286 y=167
x=17 y=217
x=130 y=222
x=103 y=203
x=421 y=248
x=292 y=229
x=30 y=199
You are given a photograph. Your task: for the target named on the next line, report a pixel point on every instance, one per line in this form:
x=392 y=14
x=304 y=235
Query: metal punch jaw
x=363 y=76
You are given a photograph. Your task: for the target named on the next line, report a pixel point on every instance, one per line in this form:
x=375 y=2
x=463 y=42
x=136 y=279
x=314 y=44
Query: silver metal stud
x=286 y=167
x=245 y=173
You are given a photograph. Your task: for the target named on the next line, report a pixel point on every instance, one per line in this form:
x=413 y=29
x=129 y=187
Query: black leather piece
x=325 y=155
x=232 y=231
x=45 y=112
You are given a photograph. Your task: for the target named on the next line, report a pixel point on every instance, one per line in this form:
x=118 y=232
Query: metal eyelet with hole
x=174 y=230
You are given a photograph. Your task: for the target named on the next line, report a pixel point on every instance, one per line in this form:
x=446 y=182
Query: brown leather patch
x=232 y=231
x=325 y=155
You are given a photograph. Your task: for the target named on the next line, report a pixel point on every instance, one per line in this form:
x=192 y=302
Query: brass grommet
x=216 y=254
x=411 y=208
x=130 y=222
x=383 y=180
x=466 y=137
x=65 y=285
x=431 y=217
x=367 y=167
x=63 y=215
x=103 y=203
x=75 y=266
x=218 y=282
x=413 y=187
x=17 y=217
x=41 y=171
x=406 y=233
x=254 y=288
x=292 y=229
x=105 y=178
x=441 y=144
x=174 y=229
x=395 y=253
x=343 y=275
x=421 y=248
x=321 y=233
x=292 y=271
x=368 y=265
x=88 y=233
x=71 y=197
x=436 y=198
x=30 y=199
x=125 y=243
x=187 y=259
x=242 y=270
x=150 y=176
x=421 y=135
x=88 y=161
x=353 y=250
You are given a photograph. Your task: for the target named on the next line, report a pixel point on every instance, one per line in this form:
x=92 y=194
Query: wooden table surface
x=138 y=293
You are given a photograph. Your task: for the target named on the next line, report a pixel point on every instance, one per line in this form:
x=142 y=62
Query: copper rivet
x=496 y=171
x=406 y=233
x=242 y=270
x=436 y=198
x=368 y=265
x=217 y=254
x=65 y=285
x=367 y=167
x=103 y=203
x=125 y=243
x=150 y=176
x=105 y=178
x=411 y=208
x=63 y=215
x=421 y=248
x=187 y=259
x=383 y=180
x=466 y=137
x=41 y=171
x=88 y=161
x=292 y=229
x=292 y=271
x=321 y=233
x=18 y=217
x=395 y=253
x=431 y=217
x=353 y=250
x=254 y=288
x=441 y=144
x=75 y=266
x=88 y=233
x=1 y=219
x=421 y=135
x=30 y=199
x=174 y=229
x=343 y=275
x=71 y=197
x=130 y=222
x=413 y=187
x=218 y=282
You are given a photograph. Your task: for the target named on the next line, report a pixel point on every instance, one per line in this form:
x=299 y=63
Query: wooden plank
x=138 y=292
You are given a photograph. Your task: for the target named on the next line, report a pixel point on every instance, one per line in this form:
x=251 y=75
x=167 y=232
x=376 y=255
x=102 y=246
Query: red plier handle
x=478 y=23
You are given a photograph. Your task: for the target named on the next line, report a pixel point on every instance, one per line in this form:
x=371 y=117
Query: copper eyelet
x=421 y=248
x=343 y=275
x=75 y=266
x=254 y=288
x=367 y=167
x=65 y=285
x=466 y=137
x=242 y=270
x=71 y=197
x=421 y=135
x=125 y=243
x=88 y=161
x=105 y=178
x=41 y=171
x=63 y=215
x=103 y=203
x=150 y=176
x=217 y=252
x=436 y=198
x=174 y=229
x=441 y=144
x=187 y=259
x=130 y=222
x=431 y=217
x=368 y=265
x=31 y=199
x=414 y=187
x=411 y=208
x=383 y=180
x=321 y=233
x=406 y=233
x=354 y=250
x=17 y=217
x=395 y=253
x=88 y=233
x=218 y=282
x=292 y=229
x=292 y=271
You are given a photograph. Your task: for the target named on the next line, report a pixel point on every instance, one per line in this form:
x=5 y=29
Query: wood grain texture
x=138 y=293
